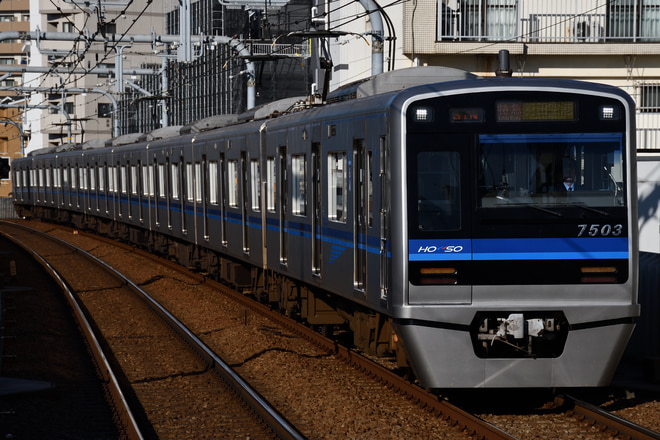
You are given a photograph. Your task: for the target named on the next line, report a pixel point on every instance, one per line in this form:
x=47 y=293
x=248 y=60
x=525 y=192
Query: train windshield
x=550 y=170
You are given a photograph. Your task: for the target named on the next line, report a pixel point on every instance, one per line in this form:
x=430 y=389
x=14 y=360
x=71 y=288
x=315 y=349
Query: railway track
x=190 y=306
x=165 y=364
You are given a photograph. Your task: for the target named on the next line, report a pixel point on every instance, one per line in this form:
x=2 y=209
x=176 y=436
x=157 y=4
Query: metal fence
x=576 y=21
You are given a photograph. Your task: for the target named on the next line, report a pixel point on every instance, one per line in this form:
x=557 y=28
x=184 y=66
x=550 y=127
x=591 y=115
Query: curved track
x=110 y=291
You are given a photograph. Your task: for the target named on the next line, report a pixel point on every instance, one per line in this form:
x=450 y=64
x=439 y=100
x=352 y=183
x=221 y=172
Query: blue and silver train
x=483 y=231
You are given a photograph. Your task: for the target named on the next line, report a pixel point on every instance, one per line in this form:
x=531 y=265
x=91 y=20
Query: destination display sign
x=519 y=111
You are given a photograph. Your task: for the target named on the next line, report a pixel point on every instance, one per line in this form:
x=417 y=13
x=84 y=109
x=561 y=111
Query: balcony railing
x=557 y=21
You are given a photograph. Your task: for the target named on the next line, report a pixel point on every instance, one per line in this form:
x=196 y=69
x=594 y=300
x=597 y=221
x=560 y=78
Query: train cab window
x=255 y=185
x=299 y=185
x=337 y=175
x=438 y=191
x=551 y=170
x=232 y=186
x=213 y=182
x=271 y=189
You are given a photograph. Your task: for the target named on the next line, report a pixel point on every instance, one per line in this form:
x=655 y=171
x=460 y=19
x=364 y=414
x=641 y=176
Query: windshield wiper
x=548 y=211
x=587 y=208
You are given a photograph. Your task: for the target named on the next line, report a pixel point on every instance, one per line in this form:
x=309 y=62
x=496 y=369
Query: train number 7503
x=597 y=230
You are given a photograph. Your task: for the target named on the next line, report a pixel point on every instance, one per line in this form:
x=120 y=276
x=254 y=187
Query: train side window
x=213 y=182
x=134 y=180
x=337 y=174
x=255 y=185
x=198 y=182
x=124 y=179
x=145 y=180
x=92 y=178
x=175 y=181
x=370 y=189
x=161 y=180
x=151 y=187
x=299 y=184
x=271 y=176
x=190 y=195
x=83 y=179
x=101 y=173
x=232 y=182
x=112 y=182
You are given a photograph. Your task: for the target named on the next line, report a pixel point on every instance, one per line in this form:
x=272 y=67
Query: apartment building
x=67 y=101
x=14 y=16
x=608 y=41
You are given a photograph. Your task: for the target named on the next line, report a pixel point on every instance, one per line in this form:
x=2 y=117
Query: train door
x=204 y=196
x=384 y=218
x=222 y=179
x=168 y=192
x=157 y=173
x=317 y=209
x=361 y=178
x=245 y=184
x=283 y=181
x=181 y=171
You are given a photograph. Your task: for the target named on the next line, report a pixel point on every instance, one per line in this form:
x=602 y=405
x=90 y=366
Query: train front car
x=518 y=232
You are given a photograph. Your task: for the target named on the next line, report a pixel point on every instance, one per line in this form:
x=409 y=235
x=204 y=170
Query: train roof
x=396 y=80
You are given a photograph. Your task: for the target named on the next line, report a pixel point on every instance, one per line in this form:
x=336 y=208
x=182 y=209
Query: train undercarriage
x=334 y=316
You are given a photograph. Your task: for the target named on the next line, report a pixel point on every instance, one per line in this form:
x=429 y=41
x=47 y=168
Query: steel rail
x=118 y=400
x=264 y=410
x=611 y=421
x=476 y=426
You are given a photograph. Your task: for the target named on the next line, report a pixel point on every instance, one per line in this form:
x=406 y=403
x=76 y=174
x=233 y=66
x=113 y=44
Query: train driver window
x=530 y=170
x=438 y=191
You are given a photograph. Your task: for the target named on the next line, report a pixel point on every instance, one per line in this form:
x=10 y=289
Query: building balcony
x=578 y=26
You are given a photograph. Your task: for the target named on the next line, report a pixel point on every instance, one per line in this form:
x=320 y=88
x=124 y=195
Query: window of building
x=649 y=98
x=104 y=110
x=629 y=20
x=477 y=19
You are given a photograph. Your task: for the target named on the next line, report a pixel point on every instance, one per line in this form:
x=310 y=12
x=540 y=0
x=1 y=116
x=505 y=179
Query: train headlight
x=609 y=113
x=423 y=114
